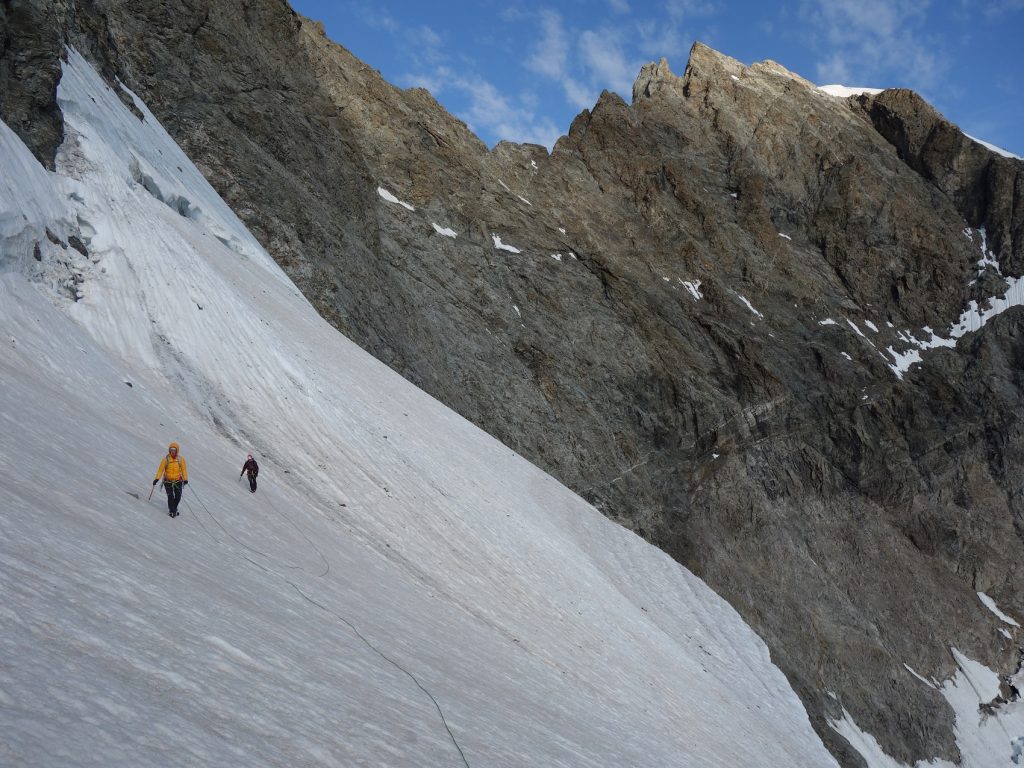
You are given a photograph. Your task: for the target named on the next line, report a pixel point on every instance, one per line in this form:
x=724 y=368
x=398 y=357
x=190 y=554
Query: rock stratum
x=760 y=325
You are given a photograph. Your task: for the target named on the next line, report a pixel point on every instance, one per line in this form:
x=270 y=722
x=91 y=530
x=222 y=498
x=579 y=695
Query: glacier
x=403 y=590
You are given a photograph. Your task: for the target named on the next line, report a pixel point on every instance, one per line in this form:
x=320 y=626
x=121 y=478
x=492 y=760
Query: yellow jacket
x=173 y=470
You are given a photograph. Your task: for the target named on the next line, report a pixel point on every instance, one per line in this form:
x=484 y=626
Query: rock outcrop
x=987 y=188
x=683 y=312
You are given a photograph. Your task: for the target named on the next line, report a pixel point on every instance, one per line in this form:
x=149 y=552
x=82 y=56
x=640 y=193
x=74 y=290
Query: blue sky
x=522 y=71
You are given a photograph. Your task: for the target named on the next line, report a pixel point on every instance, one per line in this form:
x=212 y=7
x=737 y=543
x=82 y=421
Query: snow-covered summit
x=403 y=589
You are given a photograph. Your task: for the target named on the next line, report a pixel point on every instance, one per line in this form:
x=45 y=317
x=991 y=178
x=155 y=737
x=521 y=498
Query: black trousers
x=252 y=483
x=173 y=495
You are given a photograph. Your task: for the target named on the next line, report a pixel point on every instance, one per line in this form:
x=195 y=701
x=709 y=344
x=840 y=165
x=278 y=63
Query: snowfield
x=403 y=590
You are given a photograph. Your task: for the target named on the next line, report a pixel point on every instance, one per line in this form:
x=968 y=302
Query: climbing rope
x=327 y=565
x=321 y=606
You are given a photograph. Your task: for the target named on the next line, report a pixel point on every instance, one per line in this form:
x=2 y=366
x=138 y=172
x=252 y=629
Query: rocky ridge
x=692 y=330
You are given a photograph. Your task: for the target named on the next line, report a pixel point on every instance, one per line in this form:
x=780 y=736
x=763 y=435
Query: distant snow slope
x=994 y=148
x=403 y=590
x=843 y=91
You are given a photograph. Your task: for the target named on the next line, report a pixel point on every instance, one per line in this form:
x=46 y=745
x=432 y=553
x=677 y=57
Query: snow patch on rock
x=390 y=197
x=503 y=246
x=748 y=305
x=989 y=603
x=693 y=287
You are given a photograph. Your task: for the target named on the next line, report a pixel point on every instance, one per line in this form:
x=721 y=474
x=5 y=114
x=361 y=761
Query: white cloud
x=656 y=39
x=835 y=69
x=606 y=61
x=548 y=56
x=432 y=83
x=376 y=18
x=879 y=42
x=426 y=36
x=619 y=6
x=667 y=36
x=424 y=46
x=682 y=9
x=578 y=95
x=512 y=13
x=993 y=8
x=488 y=110
x=472 y=97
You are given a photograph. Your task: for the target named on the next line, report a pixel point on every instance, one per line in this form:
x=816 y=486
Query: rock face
x=691 y=326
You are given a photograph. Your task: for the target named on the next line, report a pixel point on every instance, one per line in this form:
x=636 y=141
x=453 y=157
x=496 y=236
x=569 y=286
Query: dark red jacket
x=251 y=467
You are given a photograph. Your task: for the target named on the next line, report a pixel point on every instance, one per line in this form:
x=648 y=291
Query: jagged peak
x=609 y=99
x=705 y=55
x=770 y=67
x=704 y=63
x=707 y=65
x=651 y=77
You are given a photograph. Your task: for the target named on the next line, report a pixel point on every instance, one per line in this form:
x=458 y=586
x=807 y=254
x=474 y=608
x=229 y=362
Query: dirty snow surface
x=402 y=590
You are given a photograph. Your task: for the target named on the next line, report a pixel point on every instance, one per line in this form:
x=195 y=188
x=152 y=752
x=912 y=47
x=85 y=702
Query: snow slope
x=845 y=91
x=994 y=148
x=403 y=590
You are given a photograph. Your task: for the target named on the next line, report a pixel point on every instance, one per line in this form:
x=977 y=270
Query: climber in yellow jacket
x=175 y=474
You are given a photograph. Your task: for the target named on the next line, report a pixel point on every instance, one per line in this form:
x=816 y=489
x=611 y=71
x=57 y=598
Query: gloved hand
x=156 y=480
x=184 y=482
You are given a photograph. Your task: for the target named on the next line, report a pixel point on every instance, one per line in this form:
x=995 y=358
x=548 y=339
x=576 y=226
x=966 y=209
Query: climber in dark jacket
x=252 y=469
